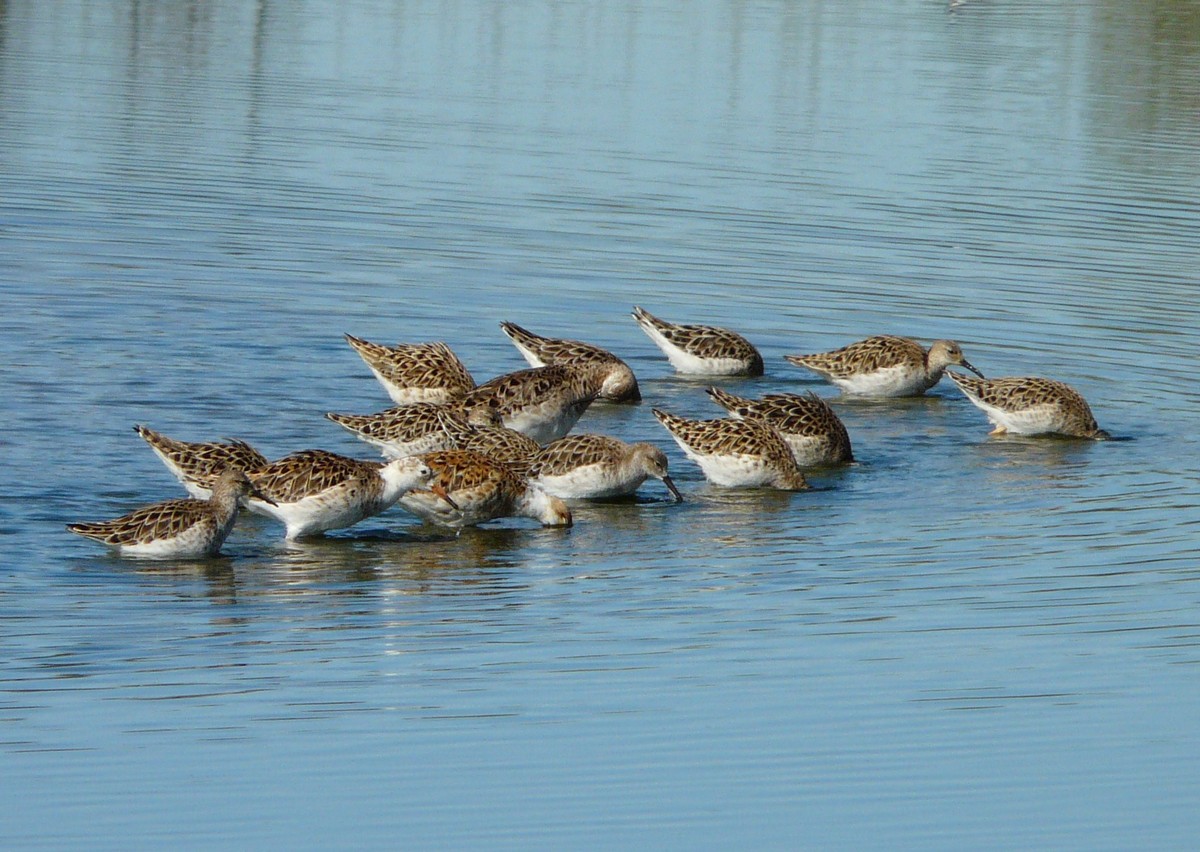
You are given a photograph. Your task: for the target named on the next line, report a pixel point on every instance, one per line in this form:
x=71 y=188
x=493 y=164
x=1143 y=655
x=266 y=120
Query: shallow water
x=959 y=642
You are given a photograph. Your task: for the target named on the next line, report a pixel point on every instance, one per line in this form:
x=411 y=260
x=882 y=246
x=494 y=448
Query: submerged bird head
x=549 y=510
x=792 y=480
x=943 y=353
x=620 y=385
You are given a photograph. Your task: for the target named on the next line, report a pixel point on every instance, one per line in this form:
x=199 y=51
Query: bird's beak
x=440 y=491
x=671 y=487
x=967 y=364
x=259 y=495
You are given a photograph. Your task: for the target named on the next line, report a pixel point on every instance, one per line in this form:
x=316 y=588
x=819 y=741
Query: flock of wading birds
x=462 y=454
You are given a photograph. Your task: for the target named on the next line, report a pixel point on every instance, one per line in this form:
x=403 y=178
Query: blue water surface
x=959 y=642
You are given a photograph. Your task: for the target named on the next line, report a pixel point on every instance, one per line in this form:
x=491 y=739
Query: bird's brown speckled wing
x=1019 y=393
x=202 y=460
x=417 y=365
x=729 y=437
x=704 y=341
x=400 y=423
x=310 y=472
x=505 y=445
x=576 y=451
x=557 y=350
x=572 y=383
x=864 y=356
x=150 y=523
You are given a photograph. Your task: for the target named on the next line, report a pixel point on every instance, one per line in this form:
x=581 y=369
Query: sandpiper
x=314 y=491
x=597 y=466
x=618 y=382
x=542 y=402
x=1028 y=405
x=810 y=426
x=415 y=372
x=186 y=528
x=701 y=350
x=195 y=463
x=736 y=453
x=472 y=488
x=885 y=365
